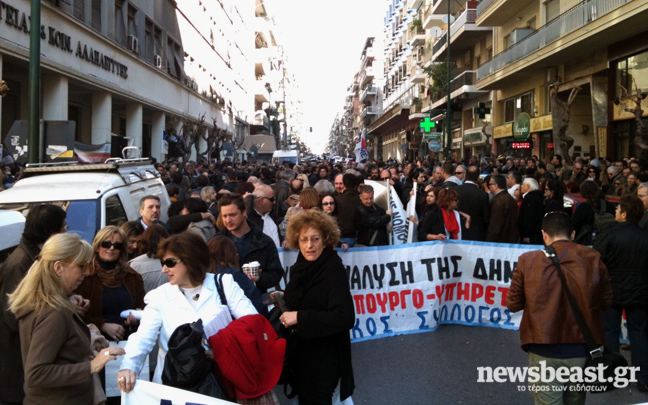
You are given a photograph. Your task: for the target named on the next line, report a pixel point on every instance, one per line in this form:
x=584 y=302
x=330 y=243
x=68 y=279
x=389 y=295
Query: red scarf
x=451 y=224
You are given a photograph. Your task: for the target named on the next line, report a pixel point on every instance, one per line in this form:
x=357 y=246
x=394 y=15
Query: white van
x=280 y=156
x=93 y=195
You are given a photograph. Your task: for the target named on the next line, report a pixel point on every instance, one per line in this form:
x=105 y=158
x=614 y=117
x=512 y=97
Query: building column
x=157 y=134
x=599 y=97
x=134 y=121
x=55 y=97
x=101 y=117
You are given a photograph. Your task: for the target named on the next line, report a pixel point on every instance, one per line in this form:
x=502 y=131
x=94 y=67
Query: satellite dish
x=445 y=19
x=436 y=32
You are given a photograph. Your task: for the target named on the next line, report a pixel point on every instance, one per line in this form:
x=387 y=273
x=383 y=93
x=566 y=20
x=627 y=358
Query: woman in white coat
x=189 y=295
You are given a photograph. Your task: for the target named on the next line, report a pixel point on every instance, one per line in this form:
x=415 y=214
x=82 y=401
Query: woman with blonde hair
x=308 y=199
x=113 y=286
x=55 y=342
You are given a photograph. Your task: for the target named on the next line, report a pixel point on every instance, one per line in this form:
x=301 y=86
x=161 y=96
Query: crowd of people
x=225 y=215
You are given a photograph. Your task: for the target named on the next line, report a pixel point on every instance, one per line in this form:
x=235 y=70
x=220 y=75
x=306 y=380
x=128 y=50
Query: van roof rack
x=125 y=167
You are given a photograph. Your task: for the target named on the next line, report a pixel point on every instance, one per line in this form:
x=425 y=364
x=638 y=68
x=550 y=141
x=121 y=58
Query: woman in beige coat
x=55 y=342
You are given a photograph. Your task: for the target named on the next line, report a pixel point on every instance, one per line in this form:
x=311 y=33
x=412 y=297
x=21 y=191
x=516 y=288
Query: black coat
x=502 y=227
x=374 y=220
x=319 y=346
x=530 y=217
x=349 y=211
x=264 y=251
x=625 y=253
x=432 y=223
x=475 y=202
x=12 y=272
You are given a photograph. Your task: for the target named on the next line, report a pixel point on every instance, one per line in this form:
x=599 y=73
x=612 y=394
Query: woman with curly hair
x=320 y=311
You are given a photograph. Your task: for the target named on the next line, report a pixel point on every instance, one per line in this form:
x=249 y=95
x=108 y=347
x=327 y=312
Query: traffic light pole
x=448 y=111
x=33 y=146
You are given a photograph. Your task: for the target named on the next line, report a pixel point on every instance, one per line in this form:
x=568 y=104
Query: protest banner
x=150 y=393
x=387 y=198
x=417 y=287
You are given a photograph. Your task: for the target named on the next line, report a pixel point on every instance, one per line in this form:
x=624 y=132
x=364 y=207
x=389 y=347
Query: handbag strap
x=595 y=350
x=218 y=280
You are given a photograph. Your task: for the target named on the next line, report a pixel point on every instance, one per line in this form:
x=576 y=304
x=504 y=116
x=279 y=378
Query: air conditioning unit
x=158 y=61
x=133 y=43
x=552 y=75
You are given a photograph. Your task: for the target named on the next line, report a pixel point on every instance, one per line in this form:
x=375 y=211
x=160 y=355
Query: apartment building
x=595 y=45
x=133 y=68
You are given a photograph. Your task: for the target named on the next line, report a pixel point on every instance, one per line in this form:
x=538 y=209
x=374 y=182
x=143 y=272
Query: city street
x=441 y=368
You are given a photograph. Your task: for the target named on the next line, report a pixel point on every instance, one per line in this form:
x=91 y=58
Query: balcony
x=261 y=93
x=559 y=31
x=418 y=38
x=418 y=75
x=368 y=91
x=463 y=85
x=370 y=110
x=495 y=13
x=366 y=75
x=464 y=34
x=261 y=119
x=433 y=20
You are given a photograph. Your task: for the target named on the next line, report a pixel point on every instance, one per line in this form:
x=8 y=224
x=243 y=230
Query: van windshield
x=81 y=215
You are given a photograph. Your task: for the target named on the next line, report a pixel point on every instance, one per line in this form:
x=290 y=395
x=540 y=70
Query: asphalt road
x=440 y=367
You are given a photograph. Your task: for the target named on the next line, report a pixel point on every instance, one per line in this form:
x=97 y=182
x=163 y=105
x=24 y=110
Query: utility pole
x=33 y=125
x=448 y=144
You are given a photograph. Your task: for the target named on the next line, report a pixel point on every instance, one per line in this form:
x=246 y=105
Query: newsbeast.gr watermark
x=578 y=376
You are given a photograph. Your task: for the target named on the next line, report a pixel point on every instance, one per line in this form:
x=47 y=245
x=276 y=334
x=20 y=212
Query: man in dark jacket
x=349 y=210
x=251 y=243
x=531 y=212
x=372 y=230
x=474 y=201
x=548 y=330
x=625 y=253
x=502 y=227
x=42 y=222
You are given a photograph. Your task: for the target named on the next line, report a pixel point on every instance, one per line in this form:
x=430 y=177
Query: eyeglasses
x=271 y=199
x=170 y=262
x=328 y=203
x=591 y=171
x=459 y=172
x=313 y=239
x=108 y=244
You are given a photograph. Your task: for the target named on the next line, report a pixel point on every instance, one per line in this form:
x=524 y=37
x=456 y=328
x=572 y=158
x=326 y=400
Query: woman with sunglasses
x=112 y=286
x=189 y=295
x=58 y=359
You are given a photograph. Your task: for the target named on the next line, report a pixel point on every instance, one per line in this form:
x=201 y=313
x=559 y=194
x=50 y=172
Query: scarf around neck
x=110 y=273
x=451 y=224
x=303 y=273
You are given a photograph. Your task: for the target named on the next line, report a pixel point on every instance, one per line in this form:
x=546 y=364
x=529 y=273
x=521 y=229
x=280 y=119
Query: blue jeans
x=637 y=333
x=348 y=241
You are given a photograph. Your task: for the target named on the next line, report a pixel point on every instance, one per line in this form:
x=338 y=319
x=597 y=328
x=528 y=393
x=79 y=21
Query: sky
x=324 y=40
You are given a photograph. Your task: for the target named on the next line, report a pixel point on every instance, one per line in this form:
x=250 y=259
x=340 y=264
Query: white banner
x=113 y=367
x=417 y=287
x=150 y=393
x=386 y=197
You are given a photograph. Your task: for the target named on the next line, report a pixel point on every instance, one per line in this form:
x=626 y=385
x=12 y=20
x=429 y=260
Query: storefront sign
x=521 y=145
x=432 y=135
x=543 y=123
x=58 y=39
x=473 y=137
x=503 y=131
x=522 y=126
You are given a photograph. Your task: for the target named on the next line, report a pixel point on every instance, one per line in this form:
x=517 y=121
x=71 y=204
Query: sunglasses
x=108 y=244
x=271 y=199
x=170 y=262
x=459 y=172
x=328 y=203
x=591 y=171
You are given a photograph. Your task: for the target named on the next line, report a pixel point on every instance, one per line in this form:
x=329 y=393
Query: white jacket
x=167 y=308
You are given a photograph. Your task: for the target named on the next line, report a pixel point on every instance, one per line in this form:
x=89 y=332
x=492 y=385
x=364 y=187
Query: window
x=531 y=23
x=631 y=70
x=120 y=22
x=96 y=15
x=132 y=24
x=517 y=105
x=489 y=53
x=552 y=10
x=507 y=41
x=79 y=9
x=115 y=214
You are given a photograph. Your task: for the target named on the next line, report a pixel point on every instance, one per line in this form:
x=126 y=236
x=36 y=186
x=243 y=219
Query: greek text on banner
x=417 y=287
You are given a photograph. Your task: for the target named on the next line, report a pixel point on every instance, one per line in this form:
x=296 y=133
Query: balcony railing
x=483 y=5
x=369 y=90
x=370 y=110
x=568 y=22
x=461 y=78
x=467 y=17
